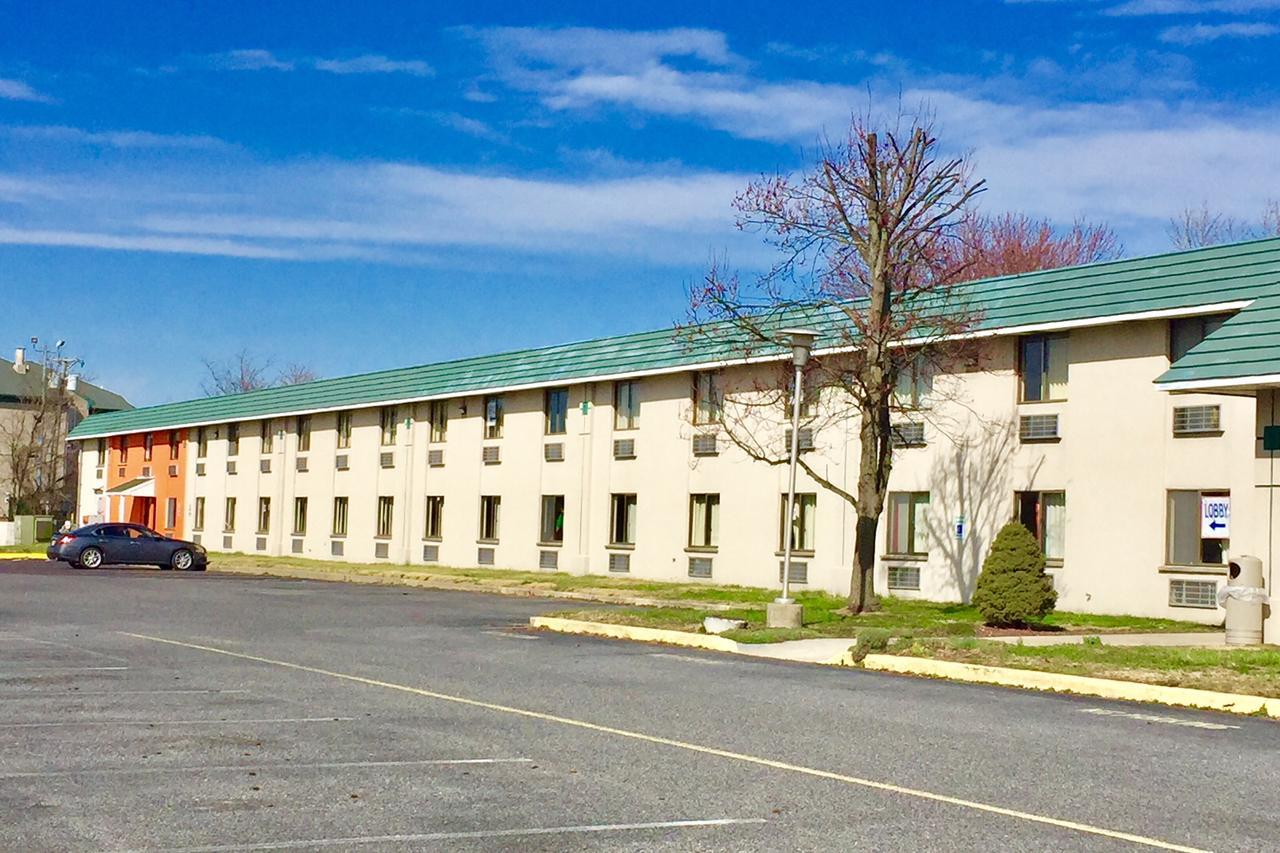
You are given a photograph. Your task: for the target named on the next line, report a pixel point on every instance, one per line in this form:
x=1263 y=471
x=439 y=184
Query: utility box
x=1243 y=598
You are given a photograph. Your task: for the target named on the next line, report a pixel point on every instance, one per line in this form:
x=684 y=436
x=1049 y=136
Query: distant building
x=1114 y=403
x=37 y=474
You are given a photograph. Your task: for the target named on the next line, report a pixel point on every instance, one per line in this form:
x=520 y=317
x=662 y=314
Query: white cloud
x=16 y=90
x=250 y=60
x=1201 y=33
x=602 y=50
x=1191 y=7
x=113 y=138
x=136 y=242
x=374 y=64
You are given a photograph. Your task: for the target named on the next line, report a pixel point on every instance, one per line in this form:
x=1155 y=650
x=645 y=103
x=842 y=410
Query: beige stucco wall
x=1116 y=459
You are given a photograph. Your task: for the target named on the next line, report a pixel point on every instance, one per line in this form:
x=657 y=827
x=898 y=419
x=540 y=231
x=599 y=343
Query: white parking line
x=71 y=694
x=26 y=669
x=174 y=722
x=461 y=836
x=1159 y=718
x=688 y=658
x=65 y=646
x=267 y=768
x=510 y=636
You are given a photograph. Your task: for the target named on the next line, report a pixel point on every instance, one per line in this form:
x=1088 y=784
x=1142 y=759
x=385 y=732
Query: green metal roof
x=1094 y=293
x=1247 y=346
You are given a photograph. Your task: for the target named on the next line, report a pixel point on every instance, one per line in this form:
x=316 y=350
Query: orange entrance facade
x=146 y=480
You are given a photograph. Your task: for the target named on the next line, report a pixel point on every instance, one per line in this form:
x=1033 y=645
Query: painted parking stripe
x=873 y=784
x=68 y=723
x=262 y=768
x=80 y=649
x=688 y=658
x=463 y=836
x=72 y=694
x=1160 y=718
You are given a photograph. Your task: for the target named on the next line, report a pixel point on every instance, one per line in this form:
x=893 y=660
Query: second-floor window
x=1043 y=364
x=708 y=399
x=303 y=429
x=439 y=419
x=1186 y=332
x=626 y=405
x=915 y=383
x=388 y=421
x=173 y=444
x=233 y=439
x=202 y=442
x=148 y=441
x=268 y=439
x=123 y=448
x=344 y=430
x=557 y=410
x=493 y=413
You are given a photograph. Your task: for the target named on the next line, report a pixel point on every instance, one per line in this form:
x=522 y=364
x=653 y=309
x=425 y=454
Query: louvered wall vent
x=264 y=466
x=624 y=448
x=620 y=563
x=342 y=462
x=491 y=455
x=553 y=452
x=199 y=469
x=381 y=550
x=301 y=463
x=387 y=460
x=799 y=572
x=231 y=466
x=335 y=547
x=1185 y=593
x=1038 y=428
x=297 y=546
x=435 y=458
x=485 y=556
x=226 y=543
x=705 y=444
x=548 y=560
x=904 y=577
x=1197 y=420
x=699 y=567
x=806 y=440
x=907 y=434
x=430 y=553
x=260 y=543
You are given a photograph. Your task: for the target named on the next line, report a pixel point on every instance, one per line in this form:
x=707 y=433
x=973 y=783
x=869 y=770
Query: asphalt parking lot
x=142 y=710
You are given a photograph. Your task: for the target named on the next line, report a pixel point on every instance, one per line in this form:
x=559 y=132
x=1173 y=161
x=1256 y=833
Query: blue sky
x=358 y=186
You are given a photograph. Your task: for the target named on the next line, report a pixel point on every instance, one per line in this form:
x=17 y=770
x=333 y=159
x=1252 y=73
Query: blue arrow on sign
x=1216 y=525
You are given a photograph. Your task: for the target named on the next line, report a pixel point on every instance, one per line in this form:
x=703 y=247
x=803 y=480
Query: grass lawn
x=1253 y=671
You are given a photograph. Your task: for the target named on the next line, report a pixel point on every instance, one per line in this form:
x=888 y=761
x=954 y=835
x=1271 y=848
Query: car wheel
x=90 y=558
x=182 y=560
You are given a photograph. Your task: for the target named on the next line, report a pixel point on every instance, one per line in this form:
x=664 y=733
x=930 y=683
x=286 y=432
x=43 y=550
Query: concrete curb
x=1132 y=691
x=11 y=555
x=1029 y=679
x=422 y=580
x=633 y=632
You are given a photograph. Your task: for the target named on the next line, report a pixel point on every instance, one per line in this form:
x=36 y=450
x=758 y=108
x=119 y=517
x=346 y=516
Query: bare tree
x=865 y=241
x=246 y=372
x=33 y=451
x=1197 y=227
x=1013 y=243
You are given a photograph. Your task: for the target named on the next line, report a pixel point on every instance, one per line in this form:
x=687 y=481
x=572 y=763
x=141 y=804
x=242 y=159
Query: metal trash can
x=1243 y=597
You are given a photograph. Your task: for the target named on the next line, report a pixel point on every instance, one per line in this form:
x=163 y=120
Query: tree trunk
x=862 y=595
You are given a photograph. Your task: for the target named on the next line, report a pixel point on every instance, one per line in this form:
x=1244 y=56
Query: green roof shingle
x=1095 y=293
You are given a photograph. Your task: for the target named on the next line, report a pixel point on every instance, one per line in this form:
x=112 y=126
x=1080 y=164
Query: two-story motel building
x=1112 y=399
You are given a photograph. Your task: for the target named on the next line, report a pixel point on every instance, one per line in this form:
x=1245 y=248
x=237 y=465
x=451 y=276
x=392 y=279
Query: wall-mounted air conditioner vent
x=199 y=469
x=342 y=461
x=699 y=567
x=624 y=448
x=799 y=572
x=1197 y=420
x=549 y=560
x=264 y=465
x=226 y=543
x=1186 y=593
x=231 y=466
x=1038 y=428
x=435 y=458
x=173 y=470
x=335 y=548
x=704 y=444
x=904 y=577
x=553 y=452
x=430 y=553
x=297 y=546
x=620 y=563
x=491 y=455
x=485 y=557
x=907 y=434
x=387 y=460
x=806 y=440
x=97 y=473
x=300 y=464
x=195 y=537
x=381 y=550
x=146 y=470
x=260 y=543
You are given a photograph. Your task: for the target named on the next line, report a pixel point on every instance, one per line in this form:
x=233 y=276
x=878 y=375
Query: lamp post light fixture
x=784 y=612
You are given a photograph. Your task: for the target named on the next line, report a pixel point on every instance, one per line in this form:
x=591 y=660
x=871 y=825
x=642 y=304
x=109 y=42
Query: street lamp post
x=784 y=612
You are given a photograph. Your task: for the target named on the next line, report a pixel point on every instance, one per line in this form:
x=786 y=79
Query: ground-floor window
x=386 y=516
x=340 y=516
x=264 y=514
x=552 y=526
x=1045 y=515
x=229 y=519
x=704 y=521
x=622 y=514
x=1188 y=544
x=171 y=513
x=802 y=522
x=490 y=517
x=198 y=522
x=907 y=523
x=435 y=517
x=299 y=516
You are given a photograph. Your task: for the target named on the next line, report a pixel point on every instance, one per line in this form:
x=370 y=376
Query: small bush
x=869 y=641
x=1013 y=589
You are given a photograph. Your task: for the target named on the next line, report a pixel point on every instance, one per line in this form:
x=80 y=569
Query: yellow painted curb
x=1236 y=703
x=10 y=555
x=633 y=632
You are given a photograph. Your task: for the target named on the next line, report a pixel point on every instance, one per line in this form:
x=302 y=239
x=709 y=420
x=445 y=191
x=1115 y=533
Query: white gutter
x=1032 y=328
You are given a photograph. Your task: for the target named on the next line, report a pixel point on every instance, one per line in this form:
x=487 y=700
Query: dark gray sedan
x=100 y=545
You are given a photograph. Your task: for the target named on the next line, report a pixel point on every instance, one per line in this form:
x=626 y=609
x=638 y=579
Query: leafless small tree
x=33 y=451
x=246 y=372
x=1197 y=227
x=864 y=238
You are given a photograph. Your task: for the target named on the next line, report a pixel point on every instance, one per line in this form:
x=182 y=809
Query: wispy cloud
x=374 y=64
x=113 y=138
x=1191 y=7
x=370 y=63
x=1202 y=33
x=17 y=90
